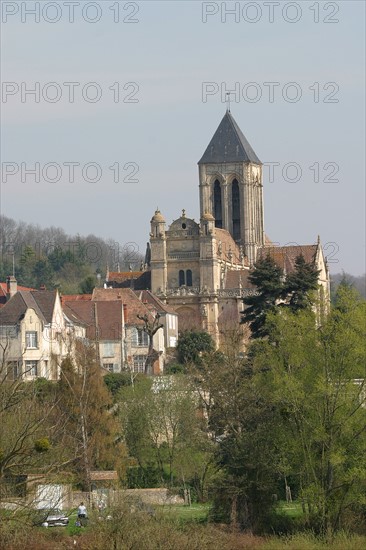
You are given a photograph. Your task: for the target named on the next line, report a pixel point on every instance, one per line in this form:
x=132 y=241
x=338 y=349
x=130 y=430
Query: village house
x=34 y=334
x=137 y=307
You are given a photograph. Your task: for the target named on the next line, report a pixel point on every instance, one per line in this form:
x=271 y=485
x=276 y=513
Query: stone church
x=201 y=268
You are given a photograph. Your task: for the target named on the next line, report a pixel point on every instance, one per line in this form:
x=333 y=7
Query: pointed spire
x=228 y=102
x=229 y=144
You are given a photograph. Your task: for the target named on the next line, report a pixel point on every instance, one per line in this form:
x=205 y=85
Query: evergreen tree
x=268 y=280
x=191 y=344
x=300 y=284
x=87 y=285
x=43 y=273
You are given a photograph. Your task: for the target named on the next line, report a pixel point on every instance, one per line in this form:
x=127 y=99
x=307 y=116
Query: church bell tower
x=231 y=187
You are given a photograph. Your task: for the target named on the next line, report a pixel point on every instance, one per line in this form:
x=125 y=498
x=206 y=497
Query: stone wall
x=111 y=497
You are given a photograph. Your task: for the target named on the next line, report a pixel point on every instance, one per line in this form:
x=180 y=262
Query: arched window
x=182 y=279
x=217 y=204
x=189 y=277
x=235 y=209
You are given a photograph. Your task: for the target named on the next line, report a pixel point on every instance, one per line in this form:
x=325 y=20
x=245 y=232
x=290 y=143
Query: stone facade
x=201 y=268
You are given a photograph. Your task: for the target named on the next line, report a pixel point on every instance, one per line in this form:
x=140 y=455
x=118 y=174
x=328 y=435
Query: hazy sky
x=148 y=80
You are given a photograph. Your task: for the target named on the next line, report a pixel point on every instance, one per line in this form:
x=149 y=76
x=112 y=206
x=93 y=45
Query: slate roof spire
x=229 y=144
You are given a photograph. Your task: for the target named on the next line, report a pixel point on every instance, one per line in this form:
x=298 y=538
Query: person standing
x=82 y=514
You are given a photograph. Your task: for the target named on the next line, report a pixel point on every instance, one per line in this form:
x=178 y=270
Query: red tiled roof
x=126 y=296
x=106 y=315
x=227 y=244
x=4 y=289
x=285 y=256
x=237 y=279
x=145 y=296
x=75 y=297
x=121 y=276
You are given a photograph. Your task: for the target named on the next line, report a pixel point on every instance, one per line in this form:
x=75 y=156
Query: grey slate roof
x=229 y=144
x=42 y=302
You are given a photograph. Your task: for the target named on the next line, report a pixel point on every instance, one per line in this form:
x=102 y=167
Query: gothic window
x=182 y=278
x=235 y=208
x=189 y=277
x=217 y=204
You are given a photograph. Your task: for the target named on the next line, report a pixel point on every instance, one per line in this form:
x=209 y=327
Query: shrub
x=42 y=445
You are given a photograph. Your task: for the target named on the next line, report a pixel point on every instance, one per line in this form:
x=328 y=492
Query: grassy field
x=292 y=509
x=197 y=513
x=169 y=528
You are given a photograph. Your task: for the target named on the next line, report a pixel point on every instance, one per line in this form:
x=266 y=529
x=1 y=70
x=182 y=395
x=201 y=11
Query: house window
x=143 y=337
x=109 y=366
x=139 y=337
x=31 y=339
x=13 y=370
x=172 y=341
x=139 y=363
x=31 y=368
x=108 y=349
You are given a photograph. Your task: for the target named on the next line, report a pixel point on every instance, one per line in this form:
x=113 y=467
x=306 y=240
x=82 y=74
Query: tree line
x=50 y=257
x=237 y=429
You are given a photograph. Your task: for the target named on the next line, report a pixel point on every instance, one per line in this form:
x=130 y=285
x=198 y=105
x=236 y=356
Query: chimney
x=125 y=316
x=42 y=287
x=11 y=286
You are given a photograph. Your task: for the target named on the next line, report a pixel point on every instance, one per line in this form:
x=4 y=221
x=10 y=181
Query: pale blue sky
x=169 y=53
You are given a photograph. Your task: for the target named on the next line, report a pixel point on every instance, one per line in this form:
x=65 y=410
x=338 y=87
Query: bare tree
x=151 y=327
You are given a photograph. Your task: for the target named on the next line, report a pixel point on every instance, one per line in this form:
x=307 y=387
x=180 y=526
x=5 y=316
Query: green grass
x=308 y=541
x=291 y=509
x=197 y=513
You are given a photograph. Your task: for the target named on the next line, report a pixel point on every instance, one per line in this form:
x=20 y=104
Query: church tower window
x=189 y=277
x=217 y=204
x=235 y=208
x=182 y=279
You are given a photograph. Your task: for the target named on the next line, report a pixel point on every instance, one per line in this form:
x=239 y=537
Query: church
x=201 y=268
